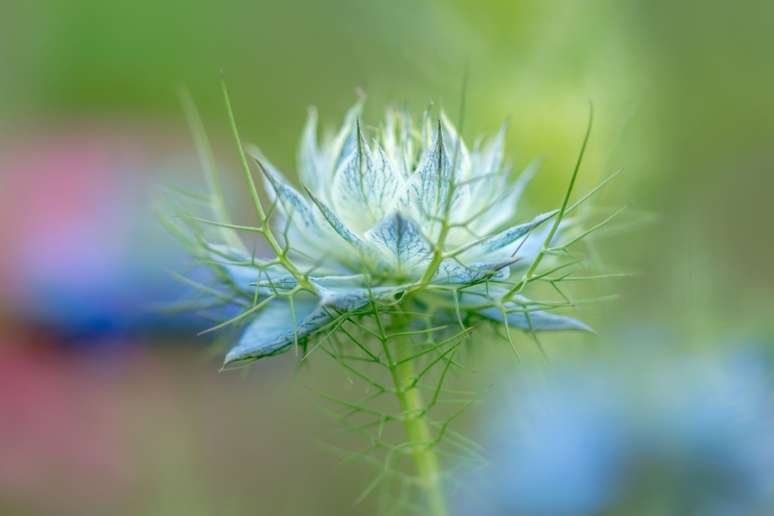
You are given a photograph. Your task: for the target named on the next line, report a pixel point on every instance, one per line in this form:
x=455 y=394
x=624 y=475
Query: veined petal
x=336 y=223
x=248 y=274
x=398 y=142
x=428 y=191
x=403 y=239
x=365 y=188
x=353 y=292
x=346 y=139
x=277 y=326
x=293 y=204
x=533 y=320
x=489 y=159
x=507 y=237
x=482 y=299
x=528 y=248
x=311 y=160
x=454 y=272
x=456 y=149
x=505 y=199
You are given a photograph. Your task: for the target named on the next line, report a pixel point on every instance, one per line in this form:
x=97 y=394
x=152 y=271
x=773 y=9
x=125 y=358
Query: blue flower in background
x=86 y=259
x=688 y=436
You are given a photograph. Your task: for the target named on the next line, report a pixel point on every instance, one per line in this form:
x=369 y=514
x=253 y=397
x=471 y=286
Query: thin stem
x=211 y=173
x=414 y=419
x=263 y=218
x=560 y=216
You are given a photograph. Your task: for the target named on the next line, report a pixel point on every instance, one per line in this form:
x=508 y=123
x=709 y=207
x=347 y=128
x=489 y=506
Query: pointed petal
x=482 y=298
x=292 y=203
x=490 y=159
x=349 y=293
x=277 y=327
x=365 y=188
x=311 y=161
x=398 y=142
x=507 y=237
x=505 y=198
x=537 y=320
x=346 y=139
x=454 y=272
x=336 y=223
x=456 y=148
x=246 y=273
x=428 y=190
x=402 y=238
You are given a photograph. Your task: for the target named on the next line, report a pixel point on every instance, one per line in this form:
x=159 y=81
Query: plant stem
x=415 y=425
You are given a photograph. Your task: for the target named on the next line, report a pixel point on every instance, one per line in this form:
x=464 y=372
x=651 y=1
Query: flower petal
x=457 y=150
x=455 y=272
x=293 y=204
x=533 y=320
x=365 y=188
x=277 y=327
x=348 y=293
x=483 y=300
x=311 y=160
x=345 y=140
x=398 y=141
x=336 y=223
x=402 y=238
x=248 y=273
x=430 y=183
x=510 y=235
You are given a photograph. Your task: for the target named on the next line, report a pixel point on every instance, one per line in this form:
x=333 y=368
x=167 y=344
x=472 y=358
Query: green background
x=684 y=108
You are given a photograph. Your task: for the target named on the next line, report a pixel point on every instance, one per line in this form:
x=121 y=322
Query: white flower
x=405 y=208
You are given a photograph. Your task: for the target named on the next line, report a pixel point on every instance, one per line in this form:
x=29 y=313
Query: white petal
x=403 y=240
x=312 y=167
x=507 y=237
x=454 y=272
x=293 y=205
x=428 y=191
x=349 y=293
x=248 y=274
x=277 y=327
x=365 y=187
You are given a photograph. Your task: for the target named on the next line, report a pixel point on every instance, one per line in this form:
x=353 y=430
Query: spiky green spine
x=394 y=328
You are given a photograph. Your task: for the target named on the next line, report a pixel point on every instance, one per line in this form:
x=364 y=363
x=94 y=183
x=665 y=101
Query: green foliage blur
x=682 y=93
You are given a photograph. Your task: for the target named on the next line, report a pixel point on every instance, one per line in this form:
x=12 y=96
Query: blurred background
x=109 y=406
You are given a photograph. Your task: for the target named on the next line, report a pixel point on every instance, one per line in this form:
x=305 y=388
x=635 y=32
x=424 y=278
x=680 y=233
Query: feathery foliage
x=401 y=241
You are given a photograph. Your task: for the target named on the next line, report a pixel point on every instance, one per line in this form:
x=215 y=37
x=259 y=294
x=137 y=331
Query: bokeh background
x=109 y=406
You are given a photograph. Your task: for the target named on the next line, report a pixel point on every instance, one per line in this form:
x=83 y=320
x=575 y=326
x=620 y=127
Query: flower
x=405 y=208
x=613 y=434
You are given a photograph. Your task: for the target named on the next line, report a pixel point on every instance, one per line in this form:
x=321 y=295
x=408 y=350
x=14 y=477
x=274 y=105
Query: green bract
x=405 y=210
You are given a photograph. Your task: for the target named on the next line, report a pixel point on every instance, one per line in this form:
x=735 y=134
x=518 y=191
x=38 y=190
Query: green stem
x=415 y=425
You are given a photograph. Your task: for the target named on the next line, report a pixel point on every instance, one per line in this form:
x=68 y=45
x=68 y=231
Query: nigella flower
x=663 y=433
x=403 y=211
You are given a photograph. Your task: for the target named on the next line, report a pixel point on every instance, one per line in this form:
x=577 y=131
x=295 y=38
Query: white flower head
x=401 y=209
